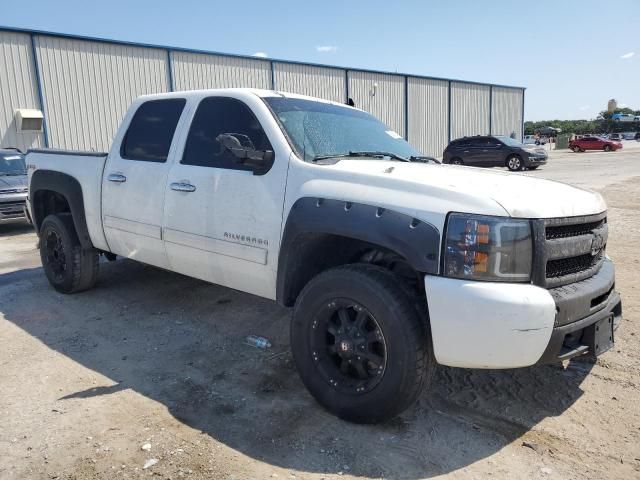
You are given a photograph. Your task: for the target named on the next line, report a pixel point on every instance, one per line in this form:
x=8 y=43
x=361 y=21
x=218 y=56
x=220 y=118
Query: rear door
x=460 y=149
x=134 y=180
x=222 y=219
x=474 y=151
x=598 y=143
x=491 y=152
x=588 y=143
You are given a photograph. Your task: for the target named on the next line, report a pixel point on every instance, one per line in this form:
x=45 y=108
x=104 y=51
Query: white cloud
x=584 y=108
x=260 y=54
x=327 y=49
x=628 y=55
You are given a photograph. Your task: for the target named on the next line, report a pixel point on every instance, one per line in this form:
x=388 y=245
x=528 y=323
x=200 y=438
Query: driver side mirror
x=245 y=153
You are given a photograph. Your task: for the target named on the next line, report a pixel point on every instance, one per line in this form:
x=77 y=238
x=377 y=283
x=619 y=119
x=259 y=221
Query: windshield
x=319 y=129
x=509 y=141
x=12 y=164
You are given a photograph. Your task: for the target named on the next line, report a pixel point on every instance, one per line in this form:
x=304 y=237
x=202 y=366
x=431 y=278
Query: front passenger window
x=218 y=118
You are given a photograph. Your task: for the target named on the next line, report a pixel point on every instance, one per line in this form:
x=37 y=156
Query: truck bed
x=87 y=168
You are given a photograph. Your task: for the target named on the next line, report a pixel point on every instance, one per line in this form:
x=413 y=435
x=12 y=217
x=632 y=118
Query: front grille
x=569 y=266
x=566 y=231
x=569 y=249
x=11 y=208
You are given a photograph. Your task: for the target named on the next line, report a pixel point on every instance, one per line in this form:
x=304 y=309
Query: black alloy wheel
x=56 y=258
x=348 y=347
x=68 y=265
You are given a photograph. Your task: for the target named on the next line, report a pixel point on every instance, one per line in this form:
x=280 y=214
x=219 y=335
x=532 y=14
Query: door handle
x=182 y=187
x=466 y=151
x=116 y=177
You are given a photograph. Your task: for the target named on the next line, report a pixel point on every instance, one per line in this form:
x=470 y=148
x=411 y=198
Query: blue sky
x=572 y=55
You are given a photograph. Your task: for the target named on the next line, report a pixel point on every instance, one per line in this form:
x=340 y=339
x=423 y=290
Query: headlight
x=497 y=249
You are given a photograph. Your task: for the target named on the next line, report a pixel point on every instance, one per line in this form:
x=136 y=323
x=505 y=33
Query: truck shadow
x=180 y=342
x=15 y=227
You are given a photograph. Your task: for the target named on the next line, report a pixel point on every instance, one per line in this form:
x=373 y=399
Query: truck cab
x=391 y=263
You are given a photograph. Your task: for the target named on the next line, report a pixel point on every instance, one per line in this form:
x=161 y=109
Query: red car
x=594 y=143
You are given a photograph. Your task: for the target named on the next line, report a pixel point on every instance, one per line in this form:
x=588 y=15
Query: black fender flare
x=415 y=240
x=70 y=189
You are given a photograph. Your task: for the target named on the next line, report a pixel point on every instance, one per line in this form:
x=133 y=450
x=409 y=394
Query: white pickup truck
x=392 y=263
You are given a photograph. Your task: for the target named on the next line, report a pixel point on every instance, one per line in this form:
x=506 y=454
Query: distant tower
x=612 y=105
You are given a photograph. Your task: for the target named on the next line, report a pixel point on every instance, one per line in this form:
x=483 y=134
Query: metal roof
x=233 y=55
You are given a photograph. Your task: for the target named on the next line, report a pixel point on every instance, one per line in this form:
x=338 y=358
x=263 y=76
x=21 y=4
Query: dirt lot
x=154 y=357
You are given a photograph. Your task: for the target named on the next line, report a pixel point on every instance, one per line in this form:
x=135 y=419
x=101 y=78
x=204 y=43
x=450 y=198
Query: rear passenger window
x=215 y=116
x=151 y=130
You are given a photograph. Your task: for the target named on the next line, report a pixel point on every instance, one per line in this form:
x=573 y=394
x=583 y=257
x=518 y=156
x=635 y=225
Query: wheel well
x=316 y=252
x=48 y=202
x=54 y=192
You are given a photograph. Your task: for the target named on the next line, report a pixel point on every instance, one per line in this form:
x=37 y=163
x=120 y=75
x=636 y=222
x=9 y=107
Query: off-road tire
x=404 y=326
x=73 y=268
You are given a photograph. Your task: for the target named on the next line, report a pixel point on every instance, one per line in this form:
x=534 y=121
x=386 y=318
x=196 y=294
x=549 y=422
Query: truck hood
x=518 y=194
x=12 y=183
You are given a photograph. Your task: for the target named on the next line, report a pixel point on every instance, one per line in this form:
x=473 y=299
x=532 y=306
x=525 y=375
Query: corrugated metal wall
x=327 y=83
x=88 y=86
x=469 y=109
x=506 y=111
x=18 y=89
x=380 y=94
x=192 y=71
x=428 y=103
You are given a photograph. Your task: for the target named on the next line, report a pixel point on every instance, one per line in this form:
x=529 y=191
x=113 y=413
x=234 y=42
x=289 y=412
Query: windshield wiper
x=423 y=159
x=372 y=154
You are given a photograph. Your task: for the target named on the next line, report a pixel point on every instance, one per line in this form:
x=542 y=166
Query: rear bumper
x=499 y=325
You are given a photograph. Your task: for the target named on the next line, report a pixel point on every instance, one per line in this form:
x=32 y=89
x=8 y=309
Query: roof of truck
x=217 y=91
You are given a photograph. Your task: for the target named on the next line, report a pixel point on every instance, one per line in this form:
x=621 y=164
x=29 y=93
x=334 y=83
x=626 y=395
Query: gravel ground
x=152 y=357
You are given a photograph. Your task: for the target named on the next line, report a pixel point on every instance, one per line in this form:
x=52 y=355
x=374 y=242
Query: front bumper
x=535 y=160
x=12 y=206
x=575 y=339
x=505 y=325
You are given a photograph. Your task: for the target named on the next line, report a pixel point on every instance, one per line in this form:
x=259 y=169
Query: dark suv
x=494 y=151
x=13 y=184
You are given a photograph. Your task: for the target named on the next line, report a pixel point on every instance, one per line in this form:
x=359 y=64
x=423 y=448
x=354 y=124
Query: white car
x=532 y=140
x=392 y=263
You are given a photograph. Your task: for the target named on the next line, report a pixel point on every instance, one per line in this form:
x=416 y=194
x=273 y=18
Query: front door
x=222 y=219
x=134 y=182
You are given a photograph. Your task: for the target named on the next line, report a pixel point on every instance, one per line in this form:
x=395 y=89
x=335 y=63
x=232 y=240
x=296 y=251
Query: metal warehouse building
x=64 y=91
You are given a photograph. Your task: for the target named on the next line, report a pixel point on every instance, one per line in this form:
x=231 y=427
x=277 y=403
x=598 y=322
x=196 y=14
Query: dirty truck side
x=391 y=263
